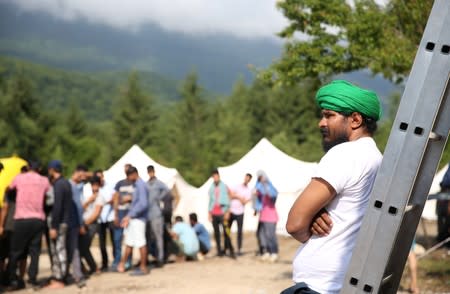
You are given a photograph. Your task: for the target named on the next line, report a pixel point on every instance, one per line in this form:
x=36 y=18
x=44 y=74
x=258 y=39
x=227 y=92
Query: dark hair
x=178 y=218
x=150 y=168
x=24 y=169
x=131 y=170
x=193 y=217
x=98 y=171
x=81 y=167
x=215 y=171
x=249 y=175
x=369 y=122
x=34 y=165
x=95 y=180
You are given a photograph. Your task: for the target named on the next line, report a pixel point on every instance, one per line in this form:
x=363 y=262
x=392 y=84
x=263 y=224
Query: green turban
x=341 y=96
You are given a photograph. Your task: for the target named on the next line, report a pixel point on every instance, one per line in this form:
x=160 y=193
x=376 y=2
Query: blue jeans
x=117 y=239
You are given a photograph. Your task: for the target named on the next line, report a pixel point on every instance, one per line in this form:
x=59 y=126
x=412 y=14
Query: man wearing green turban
x=327 y=215
x=346 y=100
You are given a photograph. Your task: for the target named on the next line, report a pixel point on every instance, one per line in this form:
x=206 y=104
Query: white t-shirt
x=236 y=206
x=91 y=208
x=107 y=214
x=350 y=168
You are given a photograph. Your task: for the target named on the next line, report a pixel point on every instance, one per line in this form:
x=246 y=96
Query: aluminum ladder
x=416 y=142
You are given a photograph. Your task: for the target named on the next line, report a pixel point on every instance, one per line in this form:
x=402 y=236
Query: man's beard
x=327 y=145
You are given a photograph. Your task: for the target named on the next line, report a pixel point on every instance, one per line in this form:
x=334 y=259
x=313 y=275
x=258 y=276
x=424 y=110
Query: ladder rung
x=386 y=279
x=435 y=137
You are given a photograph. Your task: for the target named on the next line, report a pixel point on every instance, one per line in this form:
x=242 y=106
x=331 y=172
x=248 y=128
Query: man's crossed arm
x=308 y=216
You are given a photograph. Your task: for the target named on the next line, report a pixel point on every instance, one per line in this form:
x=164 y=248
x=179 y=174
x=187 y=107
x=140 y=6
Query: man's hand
x=82 y=230
x=210 y=217
x=116 y=222
x=53 y=233
x=92 y=198
x=322 y=224
x=125 y=222
x=2 y=230
x=226 y=216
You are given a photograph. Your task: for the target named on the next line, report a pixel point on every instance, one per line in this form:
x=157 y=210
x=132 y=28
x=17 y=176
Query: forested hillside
x=87 y=46
x=50 y=113
x=94 y=117
x=94 y=93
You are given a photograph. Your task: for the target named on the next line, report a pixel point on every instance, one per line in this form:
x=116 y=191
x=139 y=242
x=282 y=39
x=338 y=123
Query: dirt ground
x=247 y=275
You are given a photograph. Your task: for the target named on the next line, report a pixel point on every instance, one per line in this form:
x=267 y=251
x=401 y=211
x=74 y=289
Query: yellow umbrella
x=11 y=168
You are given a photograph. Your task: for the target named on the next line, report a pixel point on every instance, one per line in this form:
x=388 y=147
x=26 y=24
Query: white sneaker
x=273 y=258
x=265 y=256
x=200 y=257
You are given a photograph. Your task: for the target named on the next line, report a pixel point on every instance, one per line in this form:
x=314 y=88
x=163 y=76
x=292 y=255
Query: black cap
x=56 y=165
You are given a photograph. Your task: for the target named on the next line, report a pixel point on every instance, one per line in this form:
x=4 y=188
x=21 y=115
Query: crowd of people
x=134 y=213
x=325 y=218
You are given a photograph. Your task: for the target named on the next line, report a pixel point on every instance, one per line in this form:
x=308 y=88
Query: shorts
x=134 y=234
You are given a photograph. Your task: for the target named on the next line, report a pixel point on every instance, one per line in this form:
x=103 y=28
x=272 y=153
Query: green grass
x=433 y=273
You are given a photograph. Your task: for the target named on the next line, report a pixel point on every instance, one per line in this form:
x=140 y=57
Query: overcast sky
x=242 y=18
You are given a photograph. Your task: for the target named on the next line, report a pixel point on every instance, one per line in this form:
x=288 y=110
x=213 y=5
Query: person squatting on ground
x=202 y=235
x=29 y=223
x=186 y=239
x=155 y=225
x=219 y=206
x=59 y=224
x=240 y=196
x=327 y=215
x=266 y=196
x=134 y=223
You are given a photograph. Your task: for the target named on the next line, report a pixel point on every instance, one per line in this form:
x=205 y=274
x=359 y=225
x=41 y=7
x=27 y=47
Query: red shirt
x=217 y=209
x=31 y=188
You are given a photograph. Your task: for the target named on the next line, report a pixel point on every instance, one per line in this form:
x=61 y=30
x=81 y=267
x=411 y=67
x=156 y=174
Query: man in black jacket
x=60 y=218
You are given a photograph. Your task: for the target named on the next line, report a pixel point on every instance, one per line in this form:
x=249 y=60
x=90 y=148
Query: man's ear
x=356 y=120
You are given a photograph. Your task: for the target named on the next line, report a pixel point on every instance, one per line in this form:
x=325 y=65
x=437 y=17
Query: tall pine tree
x=135 y=117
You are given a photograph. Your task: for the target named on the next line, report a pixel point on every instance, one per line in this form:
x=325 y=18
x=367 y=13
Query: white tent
x=138 y=158
x=429 y=211
x=289 y=175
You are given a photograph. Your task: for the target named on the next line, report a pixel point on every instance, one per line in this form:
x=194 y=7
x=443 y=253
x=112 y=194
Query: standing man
x=155 y=224
x=76 y=226
x=240 y=196
x=106 y=220
x=60 y=219
x=327 y=215
x=29 y=222
x=219 y=213
x=134 y=223
x=6 y=231
x=123 y=194
x=92 y=208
